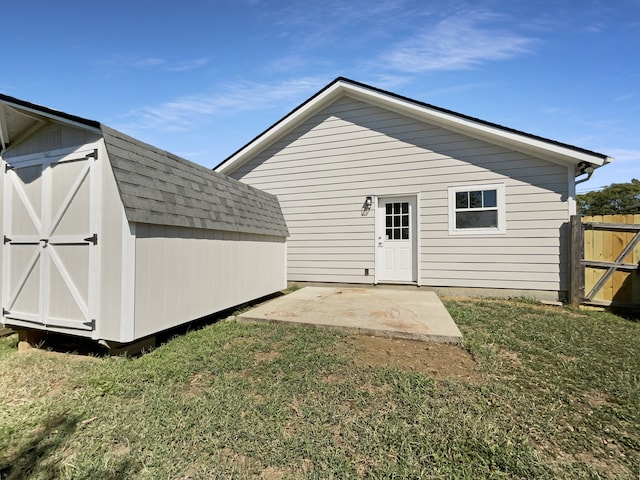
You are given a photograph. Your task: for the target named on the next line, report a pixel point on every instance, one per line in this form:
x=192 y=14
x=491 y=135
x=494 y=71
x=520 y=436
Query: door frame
x=415 y=244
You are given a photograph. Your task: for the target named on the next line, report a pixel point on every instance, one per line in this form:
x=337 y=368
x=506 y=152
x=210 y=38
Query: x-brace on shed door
x=50 y=255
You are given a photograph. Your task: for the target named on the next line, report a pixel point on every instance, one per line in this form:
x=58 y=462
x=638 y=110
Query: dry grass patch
x=437 y=360
x=38 y=373
x=261 y=357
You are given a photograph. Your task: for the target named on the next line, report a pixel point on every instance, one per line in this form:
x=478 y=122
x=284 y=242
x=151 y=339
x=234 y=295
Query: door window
x=397 y=221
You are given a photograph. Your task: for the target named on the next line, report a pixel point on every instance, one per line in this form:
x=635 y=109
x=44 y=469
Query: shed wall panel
x=114 y=228
x=183 y=274
x=323 y=169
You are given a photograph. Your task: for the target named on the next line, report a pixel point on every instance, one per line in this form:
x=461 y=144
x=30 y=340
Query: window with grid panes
x=397 y=221
x=476 y=209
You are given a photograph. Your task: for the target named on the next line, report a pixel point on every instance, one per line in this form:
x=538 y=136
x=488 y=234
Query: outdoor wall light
x=368 y=202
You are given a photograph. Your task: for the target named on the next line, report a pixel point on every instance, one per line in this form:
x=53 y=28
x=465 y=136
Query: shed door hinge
x=92 y=239
x=5 y=312
x=91 y=323
x=6 y=240
x=8 y=167
x=93 y=154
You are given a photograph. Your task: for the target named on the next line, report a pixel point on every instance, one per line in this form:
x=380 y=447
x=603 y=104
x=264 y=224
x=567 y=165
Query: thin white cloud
x=285 y=64
x=133 y=62
x=598 y=125
x=188 y=65
x=625 y=98
x=130 y=61
x=453 y=89
x=183 y=112
x=314 y=25
x=626 y=155
x=456 y=43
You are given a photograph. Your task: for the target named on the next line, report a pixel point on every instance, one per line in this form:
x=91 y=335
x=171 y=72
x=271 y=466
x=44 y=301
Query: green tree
x=617 y=198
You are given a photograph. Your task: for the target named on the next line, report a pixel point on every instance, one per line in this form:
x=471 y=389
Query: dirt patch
x=438 y=360
x=606 y=467
x=265 y=357
x=198 y=383
x=596 y=398
x=512 y=357
x=247 y=466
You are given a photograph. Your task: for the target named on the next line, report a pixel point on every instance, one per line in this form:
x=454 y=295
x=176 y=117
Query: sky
x=201 y=78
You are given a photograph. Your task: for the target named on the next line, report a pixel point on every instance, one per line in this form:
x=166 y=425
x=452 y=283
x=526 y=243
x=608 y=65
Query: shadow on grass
x=64 y=343
x=44 y=453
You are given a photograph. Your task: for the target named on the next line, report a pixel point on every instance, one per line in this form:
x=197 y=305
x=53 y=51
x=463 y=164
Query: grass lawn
x=545 y=393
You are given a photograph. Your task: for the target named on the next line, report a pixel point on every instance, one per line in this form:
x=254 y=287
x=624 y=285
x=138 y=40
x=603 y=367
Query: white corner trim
x=571 y=193
x=128 y=282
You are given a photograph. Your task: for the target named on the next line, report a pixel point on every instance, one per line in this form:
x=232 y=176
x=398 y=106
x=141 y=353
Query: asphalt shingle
x=161 y=188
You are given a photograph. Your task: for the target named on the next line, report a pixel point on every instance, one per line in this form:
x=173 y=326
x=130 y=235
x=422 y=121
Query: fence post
x=576 y=271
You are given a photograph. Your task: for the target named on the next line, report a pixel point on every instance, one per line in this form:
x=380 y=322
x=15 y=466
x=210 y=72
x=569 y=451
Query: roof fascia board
x=467 y=126
x=476 y=129
x=32 y=109
x=281 y=128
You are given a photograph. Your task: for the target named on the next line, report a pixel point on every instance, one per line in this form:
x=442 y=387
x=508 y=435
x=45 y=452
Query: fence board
x=606 y=245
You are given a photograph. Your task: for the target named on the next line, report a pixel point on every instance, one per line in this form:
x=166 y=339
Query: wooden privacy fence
x=605 y=259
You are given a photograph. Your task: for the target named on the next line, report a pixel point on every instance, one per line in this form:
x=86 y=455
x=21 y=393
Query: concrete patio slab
x=409 y=314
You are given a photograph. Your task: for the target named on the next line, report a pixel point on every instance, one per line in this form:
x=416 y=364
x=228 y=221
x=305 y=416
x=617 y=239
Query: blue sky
x=200 y=78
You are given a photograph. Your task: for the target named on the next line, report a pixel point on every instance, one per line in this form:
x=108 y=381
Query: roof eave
x=281 y=127
x=479 y=129
x=532 y=144
x=49 y=112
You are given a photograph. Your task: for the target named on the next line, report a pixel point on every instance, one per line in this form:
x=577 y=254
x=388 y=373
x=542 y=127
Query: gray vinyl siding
x=323 y=169
x=186 y=273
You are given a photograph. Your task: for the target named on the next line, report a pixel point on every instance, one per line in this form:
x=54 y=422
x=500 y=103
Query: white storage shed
x=108 y=238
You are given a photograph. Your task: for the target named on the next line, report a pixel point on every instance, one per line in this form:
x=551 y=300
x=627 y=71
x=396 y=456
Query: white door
x=50 y=243
x=395 y=256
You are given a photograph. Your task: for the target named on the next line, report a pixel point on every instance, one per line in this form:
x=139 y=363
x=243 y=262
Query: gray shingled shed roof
x=161 y=188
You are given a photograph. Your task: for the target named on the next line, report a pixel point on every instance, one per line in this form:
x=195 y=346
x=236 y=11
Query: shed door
x=50 y=243
x=395 y=252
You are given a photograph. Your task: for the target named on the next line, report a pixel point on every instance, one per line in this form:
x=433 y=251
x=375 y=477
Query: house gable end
x=551 y=150
x=353 y=138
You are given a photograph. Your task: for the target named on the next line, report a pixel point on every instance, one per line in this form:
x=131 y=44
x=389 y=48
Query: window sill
x=476 y=232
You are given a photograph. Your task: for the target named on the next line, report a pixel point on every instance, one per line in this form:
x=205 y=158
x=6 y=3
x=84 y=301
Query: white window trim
x=500 y=198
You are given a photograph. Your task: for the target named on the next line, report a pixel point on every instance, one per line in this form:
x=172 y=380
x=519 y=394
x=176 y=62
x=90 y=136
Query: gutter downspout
x=585 y=167
x=589 y=175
